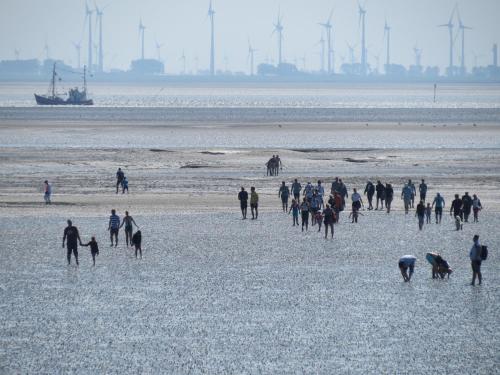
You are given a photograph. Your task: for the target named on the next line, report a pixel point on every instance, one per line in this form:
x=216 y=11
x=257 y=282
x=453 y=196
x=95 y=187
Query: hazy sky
x=180 y=25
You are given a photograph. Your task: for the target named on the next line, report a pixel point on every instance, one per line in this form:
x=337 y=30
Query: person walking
x=254 y=203
x=329 y=219
x=304 y=211
x=119 y=178
x=420 y=213
x=413 y=192
x=94 y=249
x=456 y=207
x=124 y=184
x=47 y=190
x=406 y=196
x=438 y=203
x=370 y=192
x=295 y=208
x=114 y=227
x=466 y=206
x=284 y=193
x=389 y=195
x=476 y=207
x=380 y=191
x=129 y=222
x=243 y=198
x=422 y=189
x=137 y=240
x=475 y=258
x=72 y=239
x=296 y=188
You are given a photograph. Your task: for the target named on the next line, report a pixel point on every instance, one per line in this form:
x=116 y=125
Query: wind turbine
x=322 y=54
x=158 y=49
x=78 y=47
x=328 y=28
x=418 y=55
x=141 y=35
x=387 y=34
x=278 y=28
x=88 y=14
x=351 y=54
x=211 y=13
x=183 y=59
x=16 y=53
x=47 y=51
x=362 y=15
x=462 y=29
x=449 y=25
x=99 y=14
x=251 y=52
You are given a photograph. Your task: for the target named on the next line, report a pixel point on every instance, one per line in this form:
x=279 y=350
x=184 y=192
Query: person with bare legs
x=243 y=198
x=284 y=193
x=254 y=203
x=304 y=211
x=329 y=219
x=128 y=221
x=94 y=249
x=136 y=241
x=114 y=227
x=72 y=239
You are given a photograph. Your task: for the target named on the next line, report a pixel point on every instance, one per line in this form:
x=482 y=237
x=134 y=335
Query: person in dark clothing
x=284 y=193
x=422 y=188
x=389 y=195
x=475 y=258
x=456 y=207
x=343 y=190
x=304 y=211
x=243 y=198
x=329 y=219
x=136 y=241
x=94 y=249
x=369 y=192
x=380 y=190
x=119 y=178
x=420 y=213
x=296 y=188
x=72 y=238
x=466 y=206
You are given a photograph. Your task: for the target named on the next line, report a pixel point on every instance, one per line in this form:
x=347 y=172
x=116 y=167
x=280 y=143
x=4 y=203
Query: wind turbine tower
x=322 y=43
x=418 y=55
x=78 y=47
x=495 y=55
x=251 y=52
x=462 y=29
x=99 y=20
x=328 y=28
x=387 y=33
x=449 y=25
x=362 y=14
x=141 y=34
x=278 y=28
x=158 y=49
x=88 y=13
x=211 y=13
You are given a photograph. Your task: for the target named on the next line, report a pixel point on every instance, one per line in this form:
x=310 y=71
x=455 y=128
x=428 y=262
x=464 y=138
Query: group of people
x=440 y=267
x=254 y=202
x=121 y=181
x=71 y=237
x=273 y=166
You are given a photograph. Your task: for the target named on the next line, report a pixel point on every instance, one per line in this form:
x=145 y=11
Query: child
x=319 y=219
x=124 y=185
x=136 y=240
x=458 y=222
x=428 y=212
x=295 y=211
x=94 y=249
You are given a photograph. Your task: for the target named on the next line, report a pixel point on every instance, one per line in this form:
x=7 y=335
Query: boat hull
x=43 y=100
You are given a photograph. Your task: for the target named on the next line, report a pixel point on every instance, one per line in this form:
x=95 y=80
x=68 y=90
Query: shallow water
x=215 y=294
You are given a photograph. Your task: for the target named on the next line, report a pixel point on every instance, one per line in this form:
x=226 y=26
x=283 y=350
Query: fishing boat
x=74 y=96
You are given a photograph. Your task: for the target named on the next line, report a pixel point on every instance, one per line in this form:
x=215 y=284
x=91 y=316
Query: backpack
x=484 y=252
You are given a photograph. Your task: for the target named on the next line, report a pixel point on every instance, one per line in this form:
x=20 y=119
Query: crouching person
x=407 y=266
x=440 y=267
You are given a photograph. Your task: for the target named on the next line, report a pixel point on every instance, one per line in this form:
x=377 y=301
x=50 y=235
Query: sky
x=182 y=27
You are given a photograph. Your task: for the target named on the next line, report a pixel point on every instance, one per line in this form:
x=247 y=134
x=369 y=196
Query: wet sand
x=215 y=294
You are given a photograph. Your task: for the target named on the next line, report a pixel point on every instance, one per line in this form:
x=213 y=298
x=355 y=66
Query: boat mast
x=54 y=80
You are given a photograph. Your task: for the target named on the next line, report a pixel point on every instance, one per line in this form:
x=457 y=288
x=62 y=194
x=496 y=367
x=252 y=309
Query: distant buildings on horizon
x=151 y=69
